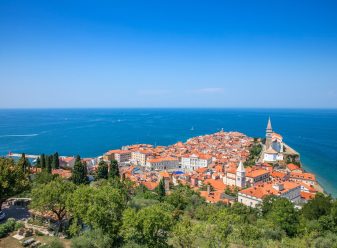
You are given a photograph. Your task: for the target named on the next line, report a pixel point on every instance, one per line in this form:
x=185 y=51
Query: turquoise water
x=90 y=132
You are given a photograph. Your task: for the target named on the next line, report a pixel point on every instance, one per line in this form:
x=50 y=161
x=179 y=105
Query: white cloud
x=210 y=90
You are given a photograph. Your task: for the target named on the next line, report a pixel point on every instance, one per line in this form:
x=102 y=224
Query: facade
x=162 y=163
x=235 y=176
x=254 y=195
x=195 y=161
x=256 y=175
x=121 y=156
x=139 y=157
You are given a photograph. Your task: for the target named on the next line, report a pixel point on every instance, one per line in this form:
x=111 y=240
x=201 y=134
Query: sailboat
x=192 y=128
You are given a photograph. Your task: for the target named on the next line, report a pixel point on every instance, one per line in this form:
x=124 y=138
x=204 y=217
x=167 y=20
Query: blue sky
x=280 y=54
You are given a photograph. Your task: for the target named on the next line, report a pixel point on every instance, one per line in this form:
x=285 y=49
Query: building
x=195 y=161
x=121 y=156
x=274 y=146
x=256 y=175
x=304 y=177
x=140 y=156
x=254 y=195
x=162 y=163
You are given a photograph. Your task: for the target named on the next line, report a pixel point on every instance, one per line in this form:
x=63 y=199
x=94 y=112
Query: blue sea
x=91 y=132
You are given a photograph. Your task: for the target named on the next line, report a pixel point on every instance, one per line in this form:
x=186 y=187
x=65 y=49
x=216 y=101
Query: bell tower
x=240 y=176
x=269 y=132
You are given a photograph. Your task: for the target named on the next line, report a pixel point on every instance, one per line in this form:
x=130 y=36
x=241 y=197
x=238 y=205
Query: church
x=274 y=146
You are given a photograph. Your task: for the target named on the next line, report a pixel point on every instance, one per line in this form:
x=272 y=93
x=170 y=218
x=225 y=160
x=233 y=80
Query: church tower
x=240 y=176
x=269 y=132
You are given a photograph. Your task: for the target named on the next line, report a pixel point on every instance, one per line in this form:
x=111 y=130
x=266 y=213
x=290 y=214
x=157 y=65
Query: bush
x=54 y=243
x=7 y=227
x=92 y=239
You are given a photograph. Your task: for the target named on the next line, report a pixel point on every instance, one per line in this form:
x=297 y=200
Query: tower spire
x=269 y=124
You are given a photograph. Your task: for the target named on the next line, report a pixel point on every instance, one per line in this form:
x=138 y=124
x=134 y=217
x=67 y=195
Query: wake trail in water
x=19 y=135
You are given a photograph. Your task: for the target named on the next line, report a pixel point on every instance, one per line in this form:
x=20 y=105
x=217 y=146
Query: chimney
x=208 y=189
x=278 y=186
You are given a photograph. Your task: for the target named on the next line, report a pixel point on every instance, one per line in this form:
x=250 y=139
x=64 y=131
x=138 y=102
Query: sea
x=91 y=132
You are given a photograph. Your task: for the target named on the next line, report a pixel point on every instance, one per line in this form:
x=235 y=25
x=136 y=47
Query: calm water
x=90 y=132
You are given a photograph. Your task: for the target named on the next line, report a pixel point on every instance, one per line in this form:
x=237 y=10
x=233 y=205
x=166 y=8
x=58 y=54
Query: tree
x=12 y=179
x=184 y=235
x=43 y=177
x=38 y=162
x=317 y=207
x=92 y=239
x=56 y=161
x=99 y=208
x=52 y=197
x=80 y=173
x=183 y=196
x=47 y=162
x=24 y=164
x=50 y=163
x=150 y=225
x=114 y=169
x=283 y=214
x=161 y=189
x=43 y=161
x=102 y=171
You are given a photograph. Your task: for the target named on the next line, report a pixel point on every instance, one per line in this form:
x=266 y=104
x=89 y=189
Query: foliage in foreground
x=114 y=213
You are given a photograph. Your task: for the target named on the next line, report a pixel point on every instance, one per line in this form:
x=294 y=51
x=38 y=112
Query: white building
x=254 y=195
x=140 y=156
x=195 y=161
x=274 y=146
x=162 y=163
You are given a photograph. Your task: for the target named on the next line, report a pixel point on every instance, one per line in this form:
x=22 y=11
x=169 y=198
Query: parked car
x=2 y=215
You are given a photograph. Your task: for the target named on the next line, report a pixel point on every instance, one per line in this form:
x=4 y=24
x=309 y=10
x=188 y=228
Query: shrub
x=54 y=243
x=7 y=227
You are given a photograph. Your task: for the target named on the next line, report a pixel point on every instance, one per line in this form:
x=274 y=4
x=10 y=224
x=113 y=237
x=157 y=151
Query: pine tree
x=161 y=189
x=43 y=161
x=38 y=162
x=56 y=162
x=49 y=160
x=102 y=171
x=23 y=163
x=114 y=170
x=80 y=173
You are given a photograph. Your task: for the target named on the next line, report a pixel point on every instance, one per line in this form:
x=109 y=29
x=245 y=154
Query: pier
x=14 y=155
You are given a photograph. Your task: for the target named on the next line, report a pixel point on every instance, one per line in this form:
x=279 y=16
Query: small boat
x=192 y=129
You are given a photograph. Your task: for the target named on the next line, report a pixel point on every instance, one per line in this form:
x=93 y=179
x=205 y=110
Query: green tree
x=102 y=170
x=114 y=169
x=80 y=174
x=183 y=234
x=52 y=197
x=56 y=161
x=99 y=208
x=183 y=196
x=38 y=162
x=43 y=161
x=24 y=164
x=43 y=177
x=12 y=179
x=48 y=164
x=92 y=239
x=283 y=214
x=150 y=225
x=161 y=189
x=317 y=207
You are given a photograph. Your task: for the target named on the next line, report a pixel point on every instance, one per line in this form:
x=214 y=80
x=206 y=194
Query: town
x=215 y=165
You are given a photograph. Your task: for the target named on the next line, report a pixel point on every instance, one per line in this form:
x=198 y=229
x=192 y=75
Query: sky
x=227 y=54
